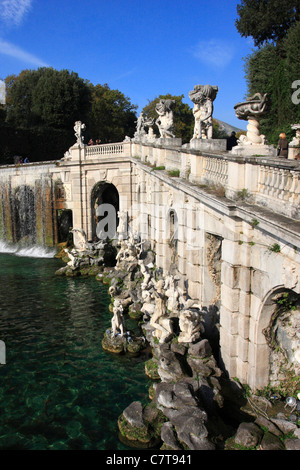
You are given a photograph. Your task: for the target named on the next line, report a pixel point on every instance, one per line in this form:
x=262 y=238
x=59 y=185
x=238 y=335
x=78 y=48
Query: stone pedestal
x=171 y=142
x=249 y=150
x=208 y=145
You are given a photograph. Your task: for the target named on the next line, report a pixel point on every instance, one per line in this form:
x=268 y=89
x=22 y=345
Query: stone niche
x=213 y=249
x=284 y=341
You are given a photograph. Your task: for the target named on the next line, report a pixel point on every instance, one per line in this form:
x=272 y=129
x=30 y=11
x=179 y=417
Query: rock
x=271 y=442
x=266 y=423
x=297 y=433
x=284 y=425
x=292 y=444
x=113 y=344
x=135 y=311
x=248 y=435
x=151 y=369
x=134 y=414
x=168 y=436
x=169 y=368
x=190 y=425
x=174 y=396
x=140 y=427
x=201 y=349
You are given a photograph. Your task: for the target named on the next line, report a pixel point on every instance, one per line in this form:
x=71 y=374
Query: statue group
x=202 y=96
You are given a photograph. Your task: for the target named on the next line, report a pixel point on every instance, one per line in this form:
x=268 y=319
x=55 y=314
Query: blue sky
x=142 y=48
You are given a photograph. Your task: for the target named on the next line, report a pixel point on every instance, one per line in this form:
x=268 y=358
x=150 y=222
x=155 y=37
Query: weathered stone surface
x=292 y=444
x=266 y=423
x=174 y=396
x=169 y=368
x=271 y=442
x=201 y=349
x=248 y=435
x=168 y=436
x=190 y=425
x=284 y=425
x=134 y=414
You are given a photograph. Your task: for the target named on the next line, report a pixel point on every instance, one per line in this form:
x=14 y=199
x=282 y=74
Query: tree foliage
x=46 y=98
x=47 y=102
x=267 y=20
x=112 y=115
x=183 y=116
x=274 y=67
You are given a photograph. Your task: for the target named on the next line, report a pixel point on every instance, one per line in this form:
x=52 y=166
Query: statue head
x=202 y=93
x=164 y=106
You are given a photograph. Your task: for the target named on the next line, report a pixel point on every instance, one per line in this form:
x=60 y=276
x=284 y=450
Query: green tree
x=112 y=115
x=47 y=98
x=183 y=116
x=266 y=20
x=274 y=66
x=273 y=69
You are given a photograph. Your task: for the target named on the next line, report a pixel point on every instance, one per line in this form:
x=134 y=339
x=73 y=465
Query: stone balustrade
x=105 y=149
x=268 y=181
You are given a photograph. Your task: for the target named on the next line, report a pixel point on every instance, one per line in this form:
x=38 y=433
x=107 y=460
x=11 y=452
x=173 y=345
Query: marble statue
x=203 y=97
x=118 y=323
x=130 y=249
x=78 y=128
x=159 y=320
x=165 y=121
x=295 y=142
x=190 y=326
x=251 y=110
x=148 y=306
x=123 y=225
x=121 y=253
x=146 y=276
x=141 y=124
x=172 y=294
x=74 y=261
x=81 y=239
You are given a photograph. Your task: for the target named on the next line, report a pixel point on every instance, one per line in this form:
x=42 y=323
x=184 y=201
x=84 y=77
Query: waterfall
x=30 y=251
x=27 y=216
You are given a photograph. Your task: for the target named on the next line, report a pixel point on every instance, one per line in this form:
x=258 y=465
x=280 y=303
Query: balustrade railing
x=279 y=183
x=105 y=149
x=215 y=170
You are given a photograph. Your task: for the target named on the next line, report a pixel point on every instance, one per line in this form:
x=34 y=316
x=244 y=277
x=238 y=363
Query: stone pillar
x=235 y=310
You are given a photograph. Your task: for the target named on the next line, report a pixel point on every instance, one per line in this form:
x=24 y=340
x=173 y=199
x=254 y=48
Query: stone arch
x=261 y=353
x=103 y=193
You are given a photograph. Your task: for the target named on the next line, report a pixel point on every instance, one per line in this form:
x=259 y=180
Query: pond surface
x=58 y=388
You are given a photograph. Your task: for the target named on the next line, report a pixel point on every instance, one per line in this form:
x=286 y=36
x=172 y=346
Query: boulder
x=271 y=442
x=248 y=435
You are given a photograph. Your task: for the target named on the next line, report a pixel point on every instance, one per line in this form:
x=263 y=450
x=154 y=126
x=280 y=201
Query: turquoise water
x=59 y=389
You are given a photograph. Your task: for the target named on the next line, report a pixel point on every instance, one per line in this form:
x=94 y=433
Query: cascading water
x=26 y=217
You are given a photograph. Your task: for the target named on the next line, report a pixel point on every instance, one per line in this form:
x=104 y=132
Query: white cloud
x=13 y=11
x=214 y=52
x=17 y=53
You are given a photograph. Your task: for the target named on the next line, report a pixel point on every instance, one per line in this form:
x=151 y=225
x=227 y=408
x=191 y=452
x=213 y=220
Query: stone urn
x=251 y=110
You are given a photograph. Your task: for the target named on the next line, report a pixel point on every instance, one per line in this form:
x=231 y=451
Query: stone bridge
x=227 y=224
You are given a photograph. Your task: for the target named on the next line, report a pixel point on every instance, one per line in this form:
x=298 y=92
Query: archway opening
x=104 y=207
x=282 y=311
